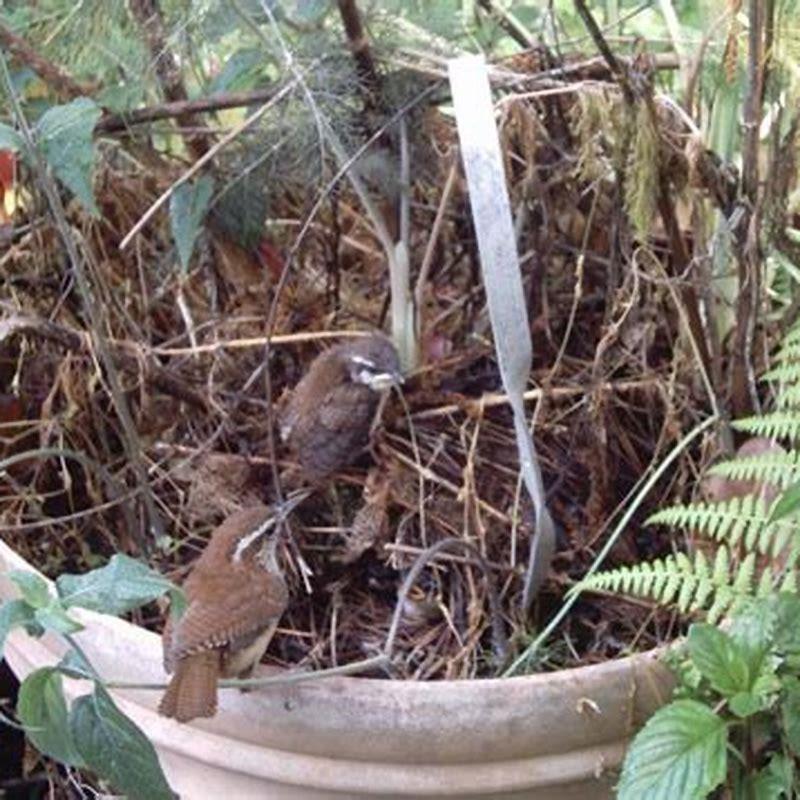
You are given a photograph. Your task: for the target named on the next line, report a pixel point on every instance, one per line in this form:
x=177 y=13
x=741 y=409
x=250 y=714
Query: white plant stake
x=491 y=214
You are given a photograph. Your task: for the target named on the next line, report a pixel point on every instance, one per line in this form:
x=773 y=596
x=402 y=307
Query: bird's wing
x=227 y=609
x=347 y=407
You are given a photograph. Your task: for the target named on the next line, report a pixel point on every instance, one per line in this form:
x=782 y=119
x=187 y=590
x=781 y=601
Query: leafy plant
x=736 y=712
x=64 y=138
x=754 y=547
x=93 y=733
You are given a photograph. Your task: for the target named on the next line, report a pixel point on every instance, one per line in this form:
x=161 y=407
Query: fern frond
x=777 y=425
x=775 y=468
x=739 y=521
x=789 y=351
x=789 y=397
x=786 y=372
x=691 y=584
x=791 y=336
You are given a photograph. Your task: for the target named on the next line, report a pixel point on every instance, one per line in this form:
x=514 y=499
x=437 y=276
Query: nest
x=166 y=402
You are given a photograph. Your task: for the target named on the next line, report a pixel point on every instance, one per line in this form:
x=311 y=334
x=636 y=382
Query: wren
x=235 y=594
x=329 y=415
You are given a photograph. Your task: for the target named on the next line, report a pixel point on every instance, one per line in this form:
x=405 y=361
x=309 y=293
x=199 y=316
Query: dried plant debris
x=187 y=348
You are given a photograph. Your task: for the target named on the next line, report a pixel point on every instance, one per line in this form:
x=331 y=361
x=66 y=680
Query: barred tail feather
x=192 y=692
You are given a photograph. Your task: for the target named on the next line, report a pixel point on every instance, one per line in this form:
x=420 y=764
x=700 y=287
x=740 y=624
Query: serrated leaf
x=120 y=586
x=745 y=704
x=790 y=716
x=67 y=145
x=13 y=614
x=10 y=139
x=187 y=208
x=752 y=630
x=719 y=658
x=54 y=617
x=33 y=587
x=114 y=747
x=787 y=631
x=680 y=752
x=42 y=709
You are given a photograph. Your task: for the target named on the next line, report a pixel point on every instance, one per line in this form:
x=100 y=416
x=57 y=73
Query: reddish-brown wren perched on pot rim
x=235 y=597
x=328 y=417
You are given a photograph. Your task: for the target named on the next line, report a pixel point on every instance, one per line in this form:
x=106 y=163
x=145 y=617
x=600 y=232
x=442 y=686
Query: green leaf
x=33 y=587
x=13 y=613
x=753 y=631
x=187 y=208
x=790 y=716
x=55 y=618
x=788 y=503
x=680 y=753
x=66 y=142
x=745 y=704
x=74 y=665
x=120 y=586
x=774 y=781
x=42 y=709
x=10 y=139
x=719 y=659
x=116 y=749
x=240 y=72
x=310 y=12
x=787 y=632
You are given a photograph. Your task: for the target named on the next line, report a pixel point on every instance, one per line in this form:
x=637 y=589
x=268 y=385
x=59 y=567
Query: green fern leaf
x=777 y=425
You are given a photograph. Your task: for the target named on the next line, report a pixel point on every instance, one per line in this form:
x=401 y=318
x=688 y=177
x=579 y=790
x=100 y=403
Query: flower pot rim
x=432 y=738
x=8 y=554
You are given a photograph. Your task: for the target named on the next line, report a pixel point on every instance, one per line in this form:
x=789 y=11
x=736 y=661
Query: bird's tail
x=192 y=692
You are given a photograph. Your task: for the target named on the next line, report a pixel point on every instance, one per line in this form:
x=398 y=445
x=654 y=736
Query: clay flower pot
x=552 y=735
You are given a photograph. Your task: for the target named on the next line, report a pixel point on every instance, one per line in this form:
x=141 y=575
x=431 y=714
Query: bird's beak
x=291 y=502
x=385 y=380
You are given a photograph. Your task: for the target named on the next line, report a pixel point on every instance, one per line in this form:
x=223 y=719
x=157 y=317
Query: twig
x=160 y=378
x=53 y=76
x=430 y=249
x=130 y=436
x=115 y=491
x=288 y=678
x=110 y=123
x=621 y=526
x=498 y=633
x=201 y=162
x=433 y=477
x=554 y=392
x=600 y=43
x=168 y=71
x=509 y=23
x=359 y=46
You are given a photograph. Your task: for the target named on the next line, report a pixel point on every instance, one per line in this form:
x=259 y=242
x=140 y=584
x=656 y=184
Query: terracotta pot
x=552 y=735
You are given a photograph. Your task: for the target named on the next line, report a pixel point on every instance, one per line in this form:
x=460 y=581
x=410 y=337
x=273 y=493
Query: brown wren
x=328 y=417
x=235 y=597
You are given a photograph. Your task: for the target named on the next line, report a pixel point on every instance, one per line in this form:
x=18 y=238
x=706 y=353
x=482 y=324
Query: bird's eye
x=364 y=362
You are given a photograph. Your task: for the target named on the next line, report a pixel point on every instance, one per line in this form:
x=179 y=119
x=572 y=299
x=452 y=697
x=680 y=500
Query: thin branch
x=168 y=71
x=202 y=161
x=55 y=77
x=111 y=123
x=77 y=263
